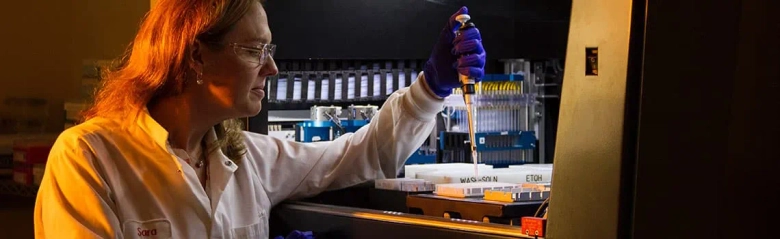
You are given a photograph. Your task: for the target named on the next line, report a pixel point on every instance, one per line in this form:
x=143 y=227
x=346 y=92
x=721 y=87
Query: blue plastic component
x=522 y=140
x=313 y=131
x=352 y=126
x=418 y=158
x=308 y=131
x=503 y=77
x=441 y=139
x=316 y=124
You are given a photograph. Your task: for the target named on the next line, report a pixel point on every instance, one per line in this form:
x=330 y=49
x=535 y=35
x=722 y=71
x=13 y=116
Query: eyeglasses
x=255 y=54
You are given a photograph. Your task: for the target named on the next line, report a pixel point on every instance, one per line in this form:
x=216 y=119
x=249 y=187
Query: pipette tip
x=476 y=162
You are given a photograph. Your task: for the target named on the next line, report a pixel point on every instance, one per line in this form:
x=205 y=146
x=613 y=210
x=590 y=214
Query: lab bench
x=365 y=212
x=328 y=221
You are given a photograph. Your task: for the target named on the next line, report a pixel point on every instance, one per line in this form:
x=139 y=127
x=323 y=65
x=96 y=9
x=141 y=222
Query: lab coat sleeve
x=378 y=150
x=73 y=199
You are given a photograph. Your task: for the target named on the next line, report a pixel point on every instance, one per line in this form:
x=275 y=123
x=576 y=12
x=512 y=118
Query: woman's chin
x=252 y=109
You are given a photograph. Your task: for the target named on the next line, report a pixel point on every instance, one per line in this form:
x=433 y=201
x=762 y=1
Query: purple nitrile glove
x=451 y=55
x=300 y=235
x=297 y=235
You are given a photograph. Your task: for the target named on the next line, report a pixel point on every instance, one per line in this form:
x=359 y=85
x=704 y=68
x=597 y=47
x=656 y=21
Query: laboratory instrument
x=468 y=92
x=505 y=132
x=362 y=112
x=324 y=125
x=501 y=133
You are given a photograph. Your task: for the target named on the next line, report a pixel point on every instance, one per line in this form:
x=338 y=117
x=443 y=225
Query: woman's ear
x=196 y=57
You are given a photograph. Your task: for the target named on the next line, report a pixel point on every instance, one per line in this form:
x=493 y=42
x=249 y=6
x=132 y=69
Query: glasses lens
x=256 y=55
x=271 y=49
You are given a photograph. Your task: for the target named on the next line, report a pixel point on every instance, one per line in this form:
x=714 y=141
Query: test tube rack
x=504 y=125
x=499 y=149
x=301 y=84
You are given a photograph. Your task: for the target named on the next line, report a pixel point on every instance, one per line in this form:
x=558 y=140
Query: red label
x=533 y=226
x=147 y=233
x=156 y=228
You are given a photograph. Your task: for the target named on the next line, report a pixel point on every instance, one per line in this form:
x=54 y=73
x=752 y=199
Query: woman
x=159 y=155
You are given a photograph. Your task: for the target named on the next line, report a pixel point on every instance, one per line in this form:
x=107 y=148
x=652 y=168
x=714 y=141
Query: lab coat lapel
x=160 y=136
x=197 y=190
x=221 y=170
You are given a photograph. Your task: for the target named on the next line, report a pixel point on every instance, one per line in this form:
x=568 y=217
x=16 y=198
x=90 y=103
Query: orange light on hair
x=158 y=62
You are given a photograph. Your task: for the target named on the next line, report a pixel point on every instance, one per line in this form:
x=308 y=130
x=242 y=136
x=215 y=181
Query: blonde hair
x=158 y=62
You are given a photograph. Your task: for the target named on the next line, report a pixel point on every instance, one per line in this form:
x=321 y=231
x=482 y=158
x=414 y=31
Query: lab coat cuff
x=422 y=103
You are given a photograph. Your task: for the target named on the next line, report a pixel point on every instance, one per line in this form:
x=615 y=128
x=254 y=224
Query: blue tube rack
x=313 y=131
x=498 y=141
x=499 y=149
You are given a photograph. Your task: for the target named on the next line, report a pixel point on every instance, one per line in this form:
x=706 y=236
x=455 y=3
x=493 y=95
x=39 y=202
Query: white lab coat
x=103 y=180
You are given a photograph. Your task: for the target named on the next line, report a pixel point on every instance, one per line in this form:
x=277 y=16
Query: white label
x=152 y=229
x=534 y=178
x=481 y=140
x=479 y=179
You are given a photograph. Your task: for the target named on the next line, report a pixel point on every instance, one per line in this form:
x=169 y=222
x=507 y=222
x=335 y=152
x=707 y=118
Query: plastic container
x=504 y=175
x=547 y=166
x=520 y=194
x=411 y=171
x=465 y=190
x=404 y=184
x=493 y=112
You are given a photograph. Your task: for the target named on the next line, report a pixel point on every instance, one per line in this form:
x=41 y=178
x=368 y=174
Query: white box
x=505 y=175
x=404 y=184
x=411 y=171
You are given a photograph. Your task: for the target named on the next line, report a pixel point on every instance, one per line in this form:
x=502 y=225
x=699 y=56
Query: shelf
x=294 y=120
x=8 y=187
x=272 y=119
x=308 y=105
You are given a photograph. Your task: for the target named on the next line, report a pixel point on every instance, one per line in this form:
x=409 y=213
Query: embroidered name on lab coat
x=152 y=229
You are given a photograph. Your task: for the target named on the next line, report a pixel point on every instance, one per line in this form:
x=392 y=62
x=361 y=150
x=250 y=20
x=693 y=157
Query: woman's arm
x=288 y=169
x=378 y=150
x=73 y=199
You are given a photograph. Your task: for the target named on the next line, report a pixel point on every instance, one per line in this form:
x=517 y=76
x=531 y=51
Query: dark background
x=707 y=159
x=408 y=29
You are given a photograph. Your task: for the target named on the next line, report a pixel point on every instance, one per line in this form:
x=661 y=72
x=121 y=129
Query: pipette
x=468 y=92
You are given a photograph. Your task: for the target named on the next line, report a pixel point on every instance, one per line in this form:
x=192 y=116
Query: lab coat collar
x=221 y=168
x=160 y=137
x=160 y=134
x=153 y=129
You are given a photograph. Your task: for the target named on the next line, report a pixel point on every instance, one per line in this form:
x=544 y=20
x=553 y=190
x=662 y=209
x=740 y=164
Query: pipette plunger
x=468 y=92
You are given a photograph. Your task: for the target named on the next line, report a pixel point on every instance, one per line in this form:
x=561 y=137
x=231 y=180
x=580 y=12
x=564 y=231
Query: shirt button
x=228 y=163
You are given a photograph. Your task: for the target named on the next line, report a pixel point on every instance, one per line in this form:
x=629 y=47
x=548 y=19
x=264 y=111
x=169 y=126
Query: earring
x=200 y=79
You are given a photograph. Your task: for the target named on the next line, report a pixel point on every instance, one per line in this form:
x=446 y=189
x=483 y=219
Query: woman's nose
x=269 y=68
